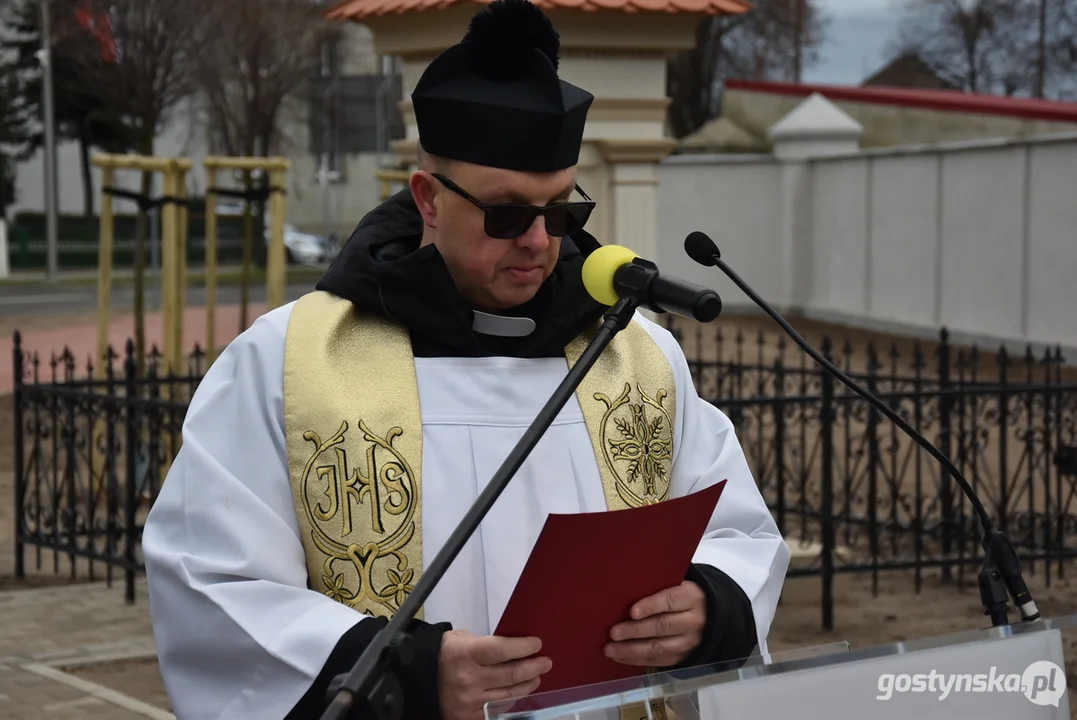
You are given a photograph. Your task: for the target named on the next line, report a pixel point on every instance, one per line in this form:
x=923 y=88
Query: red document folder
x=588 y=569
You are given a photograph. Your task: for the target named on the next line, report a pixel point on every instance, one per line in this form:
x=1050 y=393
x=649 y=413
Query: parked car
x=306 y=248
x=299 y=247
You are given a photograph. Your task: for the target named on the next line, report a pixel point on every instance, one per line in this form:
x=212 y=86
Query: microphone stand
x=371 y=689
x=1001 y=569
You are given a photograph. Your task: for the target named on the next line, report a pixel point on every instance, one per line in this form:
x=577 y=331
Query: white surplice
x=238 y=633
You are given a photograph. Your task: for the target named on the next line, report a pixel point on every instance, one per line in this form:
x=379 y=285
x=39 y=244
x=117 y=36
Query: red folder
x=588 y=569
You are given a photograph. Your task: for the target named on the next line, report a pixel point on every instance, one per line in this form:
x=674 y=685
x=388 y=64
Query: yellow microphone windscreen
x=599 y=269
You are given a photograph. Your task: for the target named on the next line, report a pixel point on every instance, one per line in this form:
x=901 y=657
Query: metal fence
x=844 y=481
x=92 y=446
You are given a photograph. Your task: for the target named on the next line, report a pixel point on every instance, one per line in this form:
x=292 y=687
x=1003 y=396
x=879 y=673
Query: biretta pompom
x=496 y=99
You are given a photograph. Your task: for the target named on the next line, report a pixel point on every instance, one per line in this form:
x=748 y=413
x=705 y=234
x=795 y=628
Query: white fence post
x=815 y=128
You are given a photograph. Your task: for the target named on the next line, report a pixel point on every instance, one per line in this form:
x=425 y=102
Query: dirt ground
x=897 y=613
x=139 y=678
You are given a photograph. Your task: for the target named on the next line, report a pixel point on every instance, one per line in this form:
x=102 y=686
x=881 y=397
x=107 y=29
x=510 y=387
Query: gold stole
x=351 y=396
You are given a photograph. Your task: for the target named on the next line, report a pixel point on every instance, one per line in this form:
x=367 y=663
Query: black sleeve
x=419 y=680
x=730 y=631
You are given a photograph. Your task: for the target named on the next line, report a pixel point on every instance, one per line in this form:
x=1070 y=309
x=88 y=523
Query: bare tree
x=16 y=126
x=80 y=115
x=963 y=41
x=257 y=56
x=1041 y=50
x=1010 y=47
x=149 y=70
x=776 y=40
x=145 y=76
x=1062 y=53
x=1050 y=48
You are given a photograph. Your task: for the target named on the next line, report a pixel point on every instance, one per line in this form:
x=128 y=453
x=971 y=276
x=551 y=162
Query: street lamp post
x=45 y=58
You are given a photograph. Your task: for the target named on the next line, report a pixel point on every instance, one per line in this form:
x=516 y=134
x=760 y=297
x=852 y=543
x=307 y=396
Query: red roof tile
x=360 y=9
x=945 y=100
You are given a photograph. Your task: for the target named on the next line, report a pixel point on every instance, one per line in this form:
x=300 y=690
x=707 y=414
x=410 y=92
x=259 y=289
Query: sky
x=856 y=42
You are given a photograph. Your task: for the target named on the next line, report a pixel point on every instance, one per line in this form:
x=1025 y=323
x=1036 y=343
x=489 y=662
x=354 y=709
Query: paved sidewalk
x=81 y=339
x=44 y=629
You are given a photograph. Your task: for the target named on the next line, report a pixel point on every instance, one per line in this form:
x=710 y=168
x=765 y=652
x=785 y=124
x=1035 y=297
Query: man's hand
x=473 y=671
x=664 y=630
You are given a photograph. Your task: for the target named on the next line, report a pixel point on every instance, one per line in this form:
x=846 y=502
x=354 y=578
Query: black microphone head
x=701 y=248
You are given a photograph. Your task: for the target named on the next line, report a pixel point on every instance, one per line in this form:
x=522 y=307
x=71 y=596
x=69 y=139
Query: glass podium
x=1015 y=671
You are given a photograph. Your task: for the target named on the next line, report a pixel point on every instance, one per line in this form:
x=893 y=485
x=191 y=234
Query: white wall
x=181 y=138
x=731 y=198
x=978 y=237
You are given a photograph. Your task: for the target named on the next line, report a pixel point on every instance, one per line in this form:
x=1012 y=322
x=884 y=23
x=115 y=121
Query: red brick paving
x=81 y=338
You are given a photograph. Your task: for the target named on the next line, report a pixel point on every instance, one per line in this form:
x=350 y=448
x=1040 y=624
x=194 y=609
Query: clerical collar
x=502 y=325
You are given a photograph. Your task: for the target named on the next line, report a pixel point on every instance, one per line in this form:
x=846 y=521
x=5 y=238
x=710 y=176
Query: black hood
x=382 y=269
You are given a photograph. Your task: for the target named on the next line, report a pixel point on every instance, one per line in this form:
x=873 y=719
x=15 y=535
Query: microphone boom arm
x=1001 y=571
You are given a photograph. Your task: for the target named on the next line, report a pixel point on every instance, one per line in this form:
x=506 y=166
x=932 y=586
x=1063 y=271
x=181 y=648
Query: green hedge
x=80 y=227
x=78 y=241
x=25 y=254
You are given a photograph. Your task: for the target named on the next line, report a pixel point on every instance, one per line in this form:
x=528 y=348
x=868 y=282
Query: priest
x=333 y=447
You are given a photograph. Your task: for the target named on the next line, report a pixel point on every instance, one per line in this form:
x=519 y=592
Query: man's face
x=491 y=273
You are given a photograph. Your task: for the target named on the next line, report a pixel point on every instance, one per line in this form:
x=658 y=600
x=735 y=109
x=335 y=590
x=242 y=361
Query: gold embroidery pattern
x=357 y=493
x=639 y=437
x=364 y=578
x=632 y=433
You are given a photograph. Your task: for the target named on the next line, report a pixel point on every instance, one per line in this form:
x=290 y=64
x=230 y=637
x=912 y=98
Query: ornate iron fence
x=92 y=448
x=845 y=482
x=92 y=445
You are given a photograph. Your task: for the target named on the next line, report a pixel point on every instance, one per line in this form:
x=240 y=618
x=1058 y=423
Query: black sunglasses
x=508 y=221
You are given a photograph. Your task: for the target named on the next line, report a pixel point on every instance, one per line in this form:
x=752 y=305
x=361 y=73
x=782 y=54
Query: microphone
x=371 y=689
x=1001 y=570
x=613 y=271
